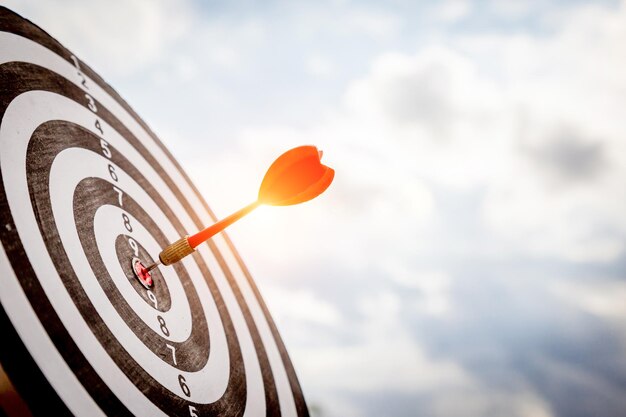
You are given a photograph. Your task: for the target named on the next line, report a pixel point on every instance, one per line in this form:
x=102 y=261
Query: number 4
x=192 y=411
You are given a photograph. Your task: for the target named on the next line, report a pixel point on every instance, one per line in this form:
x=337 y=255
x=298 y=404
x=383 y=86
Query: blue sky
x=469 y=258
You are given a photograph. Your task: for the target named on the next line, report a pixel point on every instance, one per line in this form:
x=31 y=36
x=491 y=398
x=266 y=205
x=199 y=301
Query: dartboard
x=85 y=188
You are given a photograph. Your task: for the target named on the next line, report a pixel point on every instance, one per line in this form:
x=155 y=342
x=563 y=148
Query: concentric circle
x=85 y=190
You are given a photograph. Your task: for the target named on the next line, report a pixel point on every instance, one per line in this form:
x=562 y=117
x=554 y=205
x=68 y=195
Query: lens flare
x=296 y=176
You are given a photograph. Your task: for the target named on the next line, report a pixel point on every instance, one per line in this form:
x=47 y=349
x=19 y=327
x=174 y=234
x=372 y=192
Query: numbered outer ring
x=85 y=187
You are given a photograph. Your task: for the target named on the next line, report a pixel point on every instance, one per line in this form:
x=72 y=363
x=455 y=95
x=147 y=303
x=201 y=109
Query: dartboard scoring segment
x=86 y=188
x=141 y=272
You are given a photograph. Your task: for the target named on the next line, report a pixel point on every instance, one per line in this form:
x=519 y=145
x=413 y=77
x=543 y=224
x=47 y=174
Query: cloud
x=474 y=130
x=347 y=20
x=118 y=38
x=604 y=300
x=453 y=10
x=570 y=158
x=509 y=122
x=320 y=66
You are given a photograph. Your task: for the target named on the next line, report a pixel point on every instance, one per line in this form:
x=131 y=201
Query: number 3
x=91 y=103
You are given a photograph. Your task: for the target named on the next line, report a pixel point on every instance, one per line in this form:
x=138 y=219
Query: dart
x=295 y=177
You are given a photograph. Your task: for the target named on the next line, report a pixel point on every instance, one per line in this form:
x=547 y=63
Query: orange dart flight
x=295 y=177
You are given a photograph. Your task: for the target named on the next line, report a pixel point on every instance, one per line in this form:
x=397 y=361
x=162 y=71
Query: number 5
x=192 y=411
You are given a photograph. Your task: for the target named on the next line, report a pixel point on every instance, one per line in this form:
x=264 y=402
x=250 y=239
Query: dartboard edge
x=85 y=188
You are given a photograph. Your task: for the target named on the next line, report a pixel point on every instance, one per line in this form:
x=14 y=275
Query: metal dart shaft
x=154 y=265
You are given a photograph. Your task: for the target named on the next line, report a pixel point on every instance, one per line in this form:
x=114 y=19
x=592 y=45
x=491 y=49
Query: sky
x=469 y=258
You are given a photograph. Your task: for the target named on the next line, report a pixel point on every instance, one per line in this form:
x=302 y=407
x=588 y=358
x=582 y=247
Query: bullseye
x=142 y=273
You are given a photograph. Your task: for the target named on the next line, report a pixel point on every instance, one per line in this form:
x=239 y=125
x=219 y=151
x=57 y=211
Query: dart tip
x=154 y=265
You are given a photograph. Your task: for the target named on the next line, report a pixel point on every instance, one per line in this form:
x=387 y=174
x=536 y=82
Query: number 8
x=127 y=223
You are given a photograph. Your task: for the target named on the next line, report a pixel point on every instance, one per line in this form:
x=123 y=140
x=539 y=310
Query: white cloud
x=452 y=10
x=225 y=42
x=366 y=365
x=435 y=108
x=320 y=66
x=465 y=128
x=302 y=306
x=378 y=24
x=345 y=20
x=604 y=299
x=480 y=401
x=433 y=288
x=117 y=38
x=568 y=82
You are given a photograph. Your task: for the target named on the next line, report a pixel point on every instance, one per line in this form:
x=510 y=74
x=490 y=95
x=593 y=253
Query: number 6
x=183 y=386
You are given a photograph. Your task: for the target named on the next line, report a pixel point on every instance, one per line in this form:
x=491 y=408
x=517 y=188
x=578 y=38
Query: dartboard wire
x=202 y=203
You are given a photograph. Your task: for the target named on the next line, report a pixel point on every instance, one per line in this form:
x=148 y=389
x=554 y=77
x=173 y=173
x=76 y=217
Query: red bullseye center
x=142 y=273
